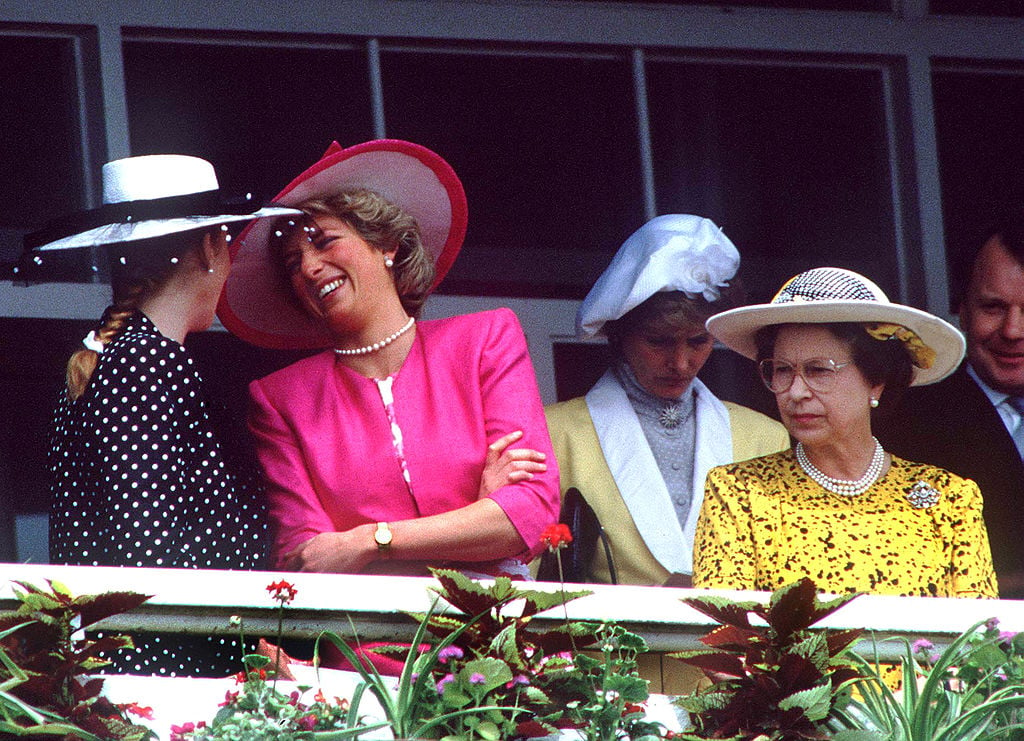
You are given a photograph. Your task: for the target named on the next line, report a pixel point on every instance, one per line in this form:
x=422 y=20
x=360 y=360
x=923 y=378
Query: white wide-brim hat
x=146 y=197
x=257 y=304
x=834 y=295
x=674 y=252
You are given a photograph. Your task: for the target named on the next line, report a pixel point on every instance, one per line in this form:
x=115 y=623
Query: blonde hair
x=147 y=265
x=385 y=226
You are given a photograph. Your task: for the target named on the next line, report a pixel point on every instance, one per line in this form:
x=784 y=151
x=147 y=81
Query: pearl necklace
x=843 y=486
x=367 y=349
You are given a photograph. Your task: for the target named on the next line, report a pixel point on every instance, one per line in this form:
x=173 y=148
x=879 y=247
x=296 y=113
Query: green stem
x=277 y=643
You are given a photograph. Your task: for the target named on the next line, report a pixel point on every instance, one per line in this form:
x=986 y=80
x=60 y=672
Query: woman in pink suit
x=387 y=452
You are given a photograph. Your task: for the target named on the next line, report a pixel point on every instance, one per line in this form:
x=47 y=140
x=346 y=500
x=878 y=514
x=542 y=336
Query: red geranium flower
x=556 y=536
x=229 y=699
x=135 y=709
x=283 y=591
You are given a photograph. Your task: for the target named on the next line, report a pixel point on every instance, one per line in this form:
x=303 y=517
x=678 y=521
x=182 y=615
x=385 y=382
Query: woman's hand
x=503 y=466
x=345 y=552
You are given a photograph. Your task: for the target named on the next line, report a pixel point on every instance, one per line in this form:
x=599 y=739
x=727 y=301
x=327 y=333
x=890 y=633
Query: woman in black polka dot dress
x=139 y=477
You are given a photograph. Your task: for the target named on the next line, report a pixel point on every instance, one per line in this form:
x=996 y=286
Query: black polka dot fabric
x=139 y=479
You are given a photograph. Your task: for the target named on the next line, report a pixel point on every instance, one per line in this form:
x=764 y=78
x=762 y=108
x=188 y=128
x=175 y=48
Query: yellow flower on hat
x=922 y=355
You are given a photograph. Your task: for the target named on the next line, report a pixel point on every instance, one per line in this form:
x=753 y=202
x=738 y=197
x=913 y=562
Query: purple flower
x=923 y=646
x=992 y=623
x=518 y=680
x=444 y=681
x=1007 y=636
x=477 y=678
x=449 y=652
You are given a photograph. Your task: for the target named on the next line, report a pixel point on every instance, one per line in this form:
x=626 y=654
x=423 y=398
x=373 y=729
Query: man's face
x=992 y=317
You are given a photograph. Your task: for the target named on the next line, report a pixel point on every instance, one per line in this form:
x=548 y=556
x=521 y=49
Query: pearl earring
x=874 y=403
x=388 y=262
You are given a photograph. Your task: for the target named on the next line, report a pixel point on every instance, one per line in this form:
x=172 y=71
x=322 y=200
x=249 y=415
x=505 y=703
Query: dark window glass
x=40 y=151
x=877 y=5
x=979 y=122
x=547 y=149
x=791 y=161
x=260 y=113
x=1004 y=8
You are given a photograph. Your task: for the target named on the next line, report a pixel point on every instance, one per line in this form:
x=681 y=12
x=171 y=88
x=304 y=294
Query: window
x=261 y=113
x=790 y=160
x=546 y=146
x=41 y=149
x=979 y=121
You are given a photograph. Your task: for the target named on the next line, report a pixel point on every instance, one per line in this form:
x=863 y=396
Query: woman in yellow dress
x=837 y=508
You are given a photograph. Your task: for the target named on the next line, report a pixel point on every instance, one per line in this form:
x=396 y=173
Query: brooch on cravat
x=671 y=416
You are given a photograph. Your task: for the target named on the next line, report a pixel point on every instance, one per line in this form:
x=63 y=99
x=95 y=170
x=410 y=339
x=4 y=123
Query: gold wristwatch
x=382 y=537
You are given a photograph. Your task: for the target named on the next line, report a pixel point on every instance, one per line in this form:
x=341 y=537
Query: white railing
x=374 y=607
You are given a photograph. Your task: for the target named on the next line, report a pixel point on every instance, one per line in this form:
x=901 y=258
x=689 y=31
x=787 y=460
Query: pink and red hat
x=257 y=305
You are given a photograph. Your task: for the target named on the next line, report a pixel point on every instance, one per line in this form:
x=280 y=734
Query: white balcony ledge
x=373 y=607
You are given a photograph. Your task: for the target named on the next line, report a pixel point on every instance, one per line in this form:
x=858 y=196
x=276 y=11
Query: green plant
x=44 y=689
x=971 y=690
x=774 y=682
x=611 y=692
x=424 y=702
x=258 y=711
x=488 y=672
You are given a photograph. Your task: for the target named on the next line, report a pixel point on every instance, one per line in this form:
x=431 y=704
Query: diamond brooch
x=670 y=416
x=922 y=496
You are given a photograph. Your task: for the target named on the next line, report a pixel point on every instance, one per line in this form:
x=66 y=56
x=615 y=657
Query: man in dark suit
x=967 y=423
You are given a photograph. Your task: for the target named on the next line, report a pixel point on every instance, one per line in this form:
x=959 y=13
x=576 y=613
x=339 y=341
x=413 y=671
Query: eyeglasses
x=818 y=373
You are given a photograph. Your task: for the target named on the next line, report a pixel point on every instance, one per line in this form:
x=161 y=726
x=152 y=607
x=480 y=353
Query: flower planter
x=174 y=701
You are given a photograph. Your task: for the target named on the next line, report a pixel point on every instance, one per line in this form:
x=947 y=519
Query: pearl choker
x=367 y=349
x=843 y=486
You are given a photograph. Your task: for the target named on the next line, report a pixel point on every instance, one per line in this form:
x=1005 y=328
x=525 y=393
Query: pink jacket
x=325 y=443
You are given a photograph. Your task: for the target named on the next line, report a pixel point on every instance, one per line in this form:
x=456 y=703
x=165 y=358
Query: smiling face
x=992 y=317
x=823 y=417
x=337 y=276
x=666 y=359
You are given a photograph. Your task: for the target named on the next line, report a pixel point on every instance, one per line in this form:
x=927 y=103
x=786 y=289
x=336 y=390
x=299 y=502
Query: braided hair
x=138 y=270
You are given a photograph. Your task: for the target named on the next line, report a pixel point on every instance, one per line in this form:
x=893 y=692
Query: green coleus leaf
x=36 y=602
x=536 y=602
x=840 y=640
x=505 y=645
x=718 y=662
x=474 y=598
x=813 y=647
x=796 y=607
x=814 y=702
x=96 y=607
x=722 y=609
x=701 y=702
x=730 y=637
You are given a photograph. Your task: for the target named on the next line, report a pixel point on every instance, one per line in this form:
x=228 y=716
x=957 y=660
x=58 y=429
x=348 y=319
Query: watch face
x=382 y=535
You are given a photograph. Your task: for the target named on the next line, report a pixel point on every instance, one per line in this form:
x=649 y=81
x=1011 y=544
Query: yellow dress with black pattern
x=765 y=523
